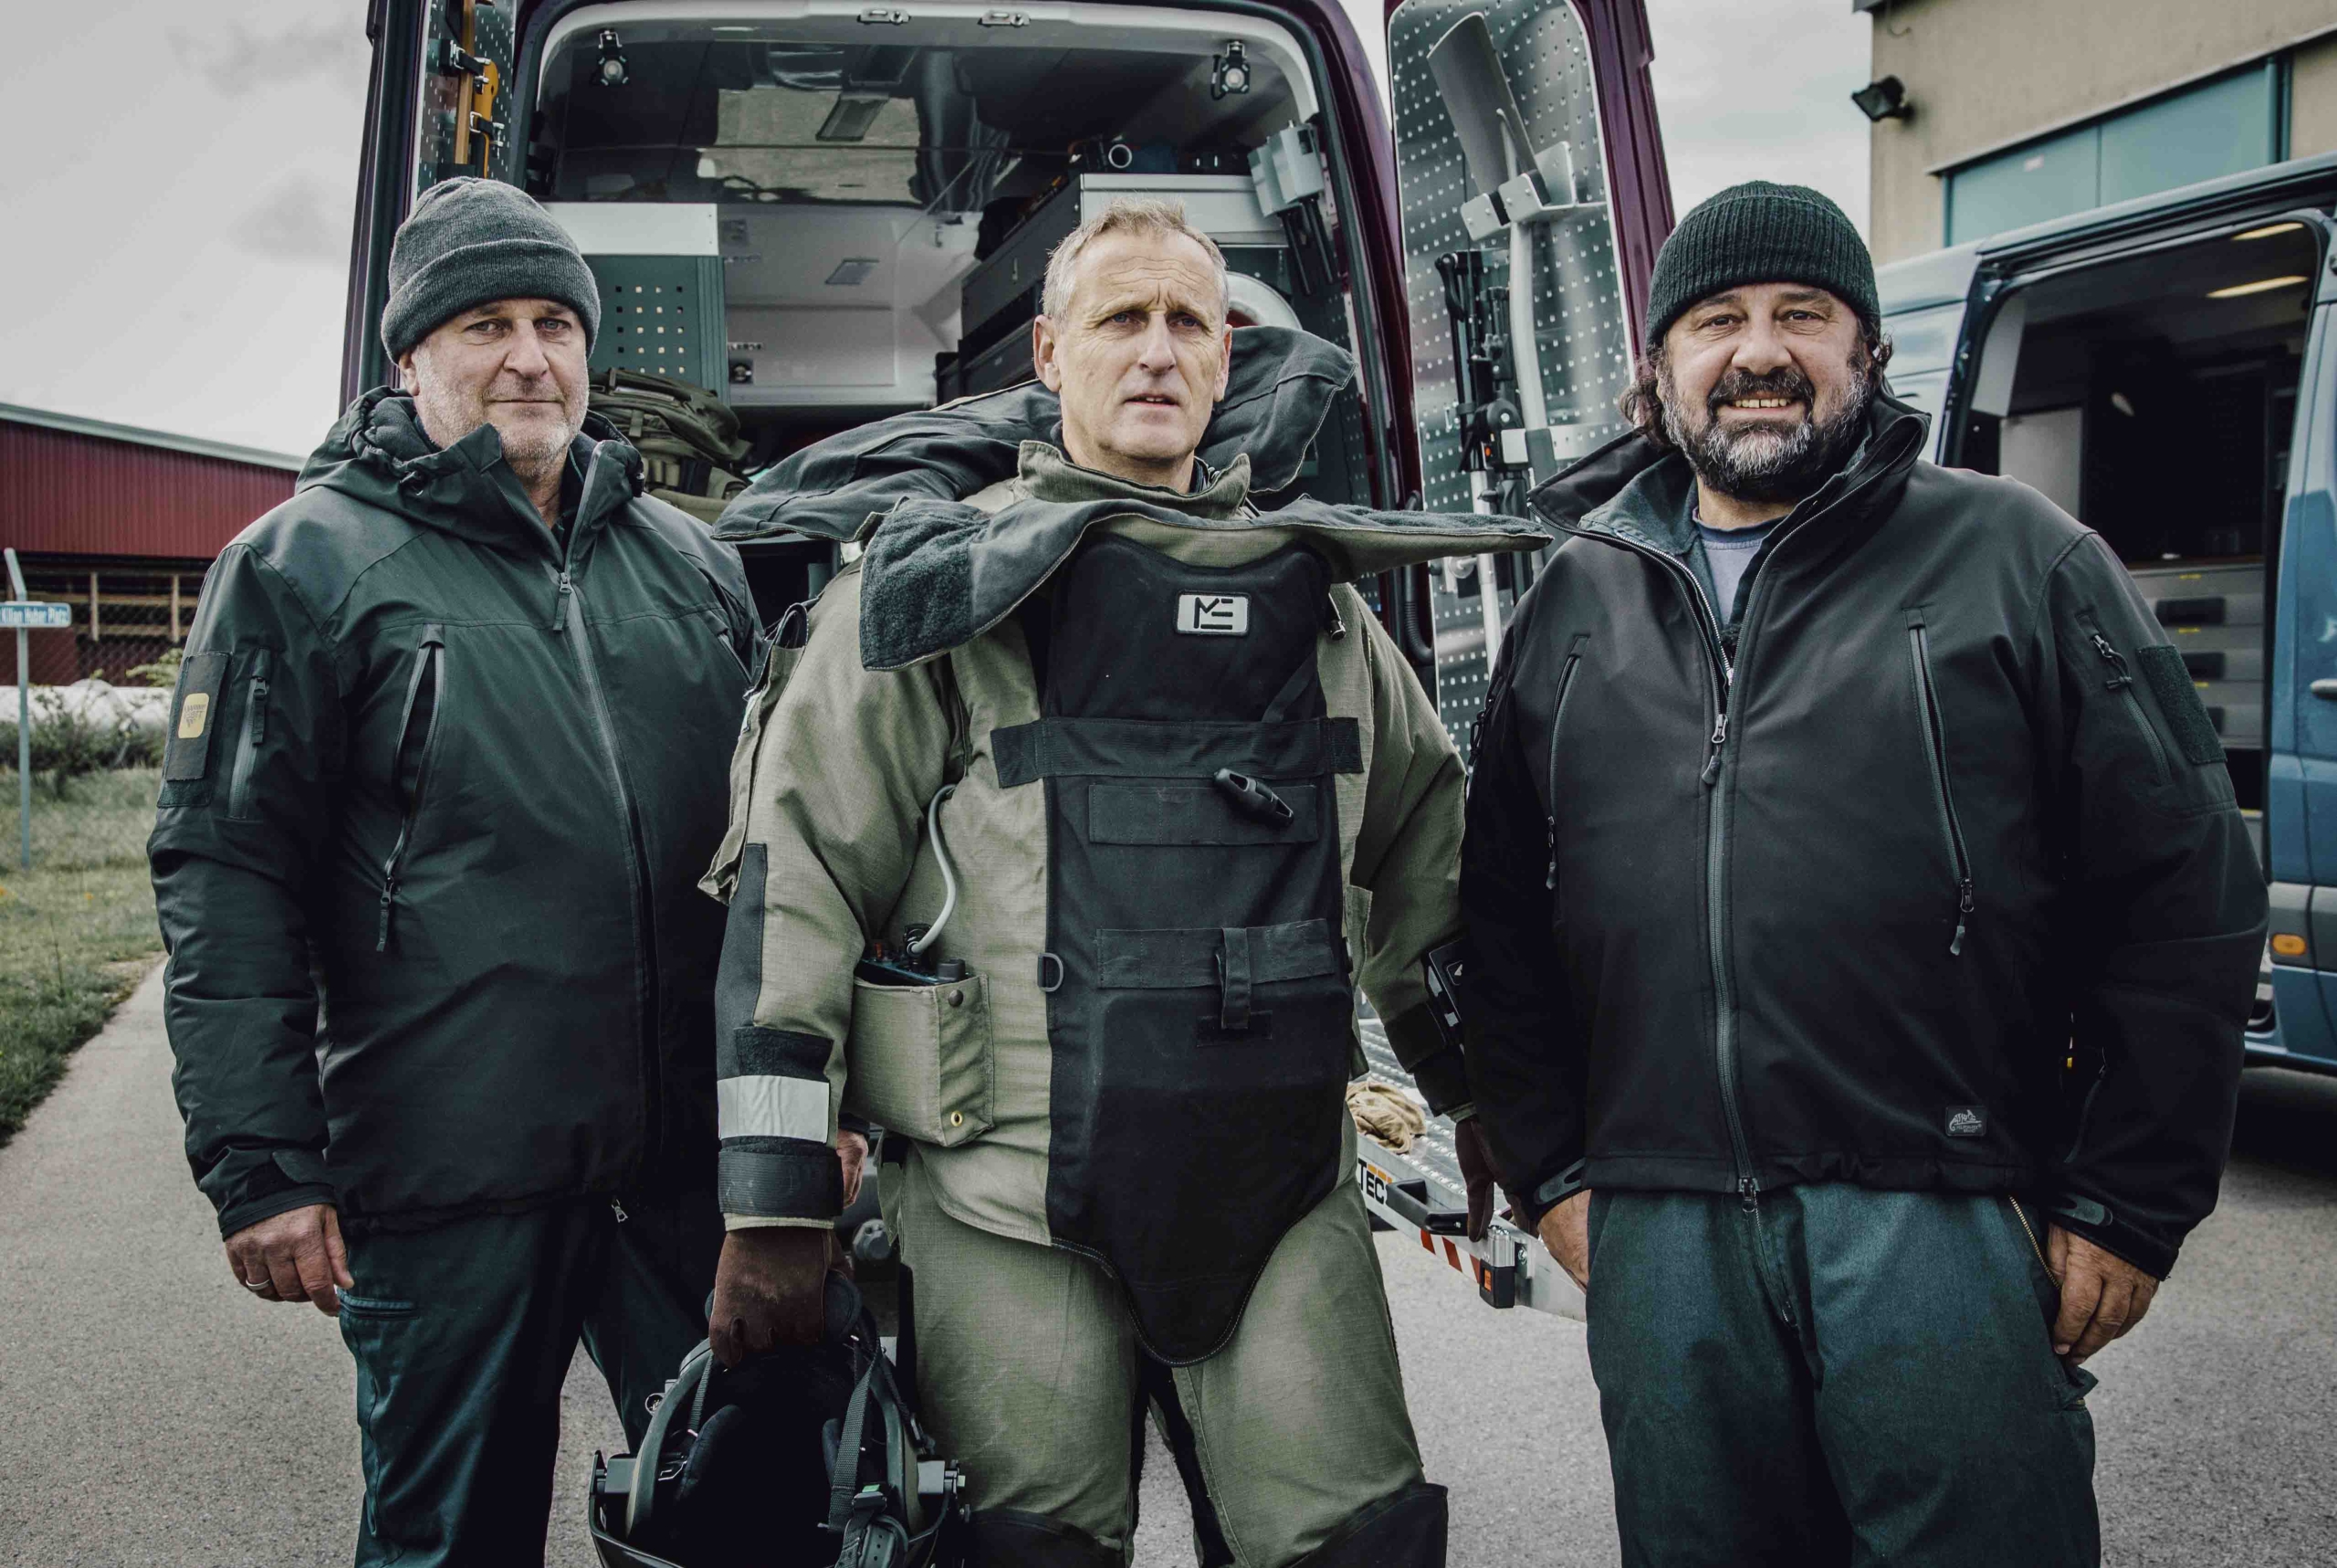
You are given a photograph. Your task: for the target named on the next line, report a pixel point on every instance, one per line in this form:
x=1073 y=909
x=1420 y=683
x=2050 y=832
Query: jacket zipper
x=430 y=664
x=572 y=598
x=1748 y=1187
x=239 y=784
x=1558 y=718
x=2022 y=1215
x=2122 y=681
x=1942 y=796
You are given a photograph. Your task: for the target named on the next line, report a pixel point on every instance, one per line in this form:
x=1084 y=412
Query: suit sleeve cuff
x=1437 y=1068
x=779 y=1178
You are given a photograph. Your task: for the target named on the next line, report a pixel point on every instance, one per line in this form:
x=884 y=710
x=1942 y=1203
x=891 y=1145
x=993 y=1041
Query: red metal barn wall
x=139 y=516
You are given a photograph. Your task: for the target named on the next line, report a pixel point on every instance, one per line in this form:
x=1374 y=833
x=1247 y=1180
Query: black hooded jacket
x=1932 y=881
x=466 y=772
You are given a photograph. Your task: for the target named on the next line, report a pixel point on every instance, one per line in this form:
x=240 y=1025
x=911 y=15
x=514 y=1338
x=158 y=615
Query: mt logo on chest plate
x=1213 y=614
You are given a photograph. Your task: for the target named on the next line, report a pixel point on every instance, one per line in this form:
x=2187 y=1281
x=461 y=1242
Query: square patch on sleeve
x=194 y=717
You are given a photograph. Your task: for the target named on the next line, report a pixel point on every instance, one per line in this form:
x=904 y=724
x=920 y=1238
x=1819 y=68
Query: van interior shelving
x=830 y=218
x=2153 y=399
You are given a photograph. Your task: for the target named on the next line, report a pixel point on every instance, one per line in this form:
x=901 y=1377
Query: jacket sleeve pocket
x=921 y=1059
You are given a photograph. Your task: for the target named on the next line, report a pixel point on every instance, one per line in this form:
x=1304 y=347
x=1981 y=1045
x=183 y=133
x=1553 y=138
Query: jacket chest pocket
x=411 y=760
x=1943 y=791
x=1567 y=674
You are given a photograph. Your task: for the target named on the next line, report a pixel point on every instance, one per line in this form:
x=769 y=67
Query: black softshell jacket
x=466 y=772
x=1932 y=880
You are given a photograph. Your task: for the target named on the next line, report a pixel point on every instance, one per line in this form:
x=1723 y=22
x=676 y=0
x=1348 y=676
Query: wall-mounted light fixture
x=1883 y=100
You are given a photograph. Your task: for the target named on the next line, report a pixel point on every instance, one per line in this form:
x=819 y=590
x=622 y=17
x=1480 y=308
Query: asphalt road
x=152 y=1413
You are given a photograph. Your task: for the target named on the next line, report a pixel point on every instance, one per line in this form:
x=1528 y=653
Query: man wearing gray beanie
x=452 y=736
x=1864 y=930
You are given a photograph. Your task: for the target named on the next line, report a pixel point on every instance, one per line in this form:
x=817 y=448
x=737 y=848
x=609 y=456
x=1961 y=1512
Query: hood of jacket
x=377 y=454
x=1637 y=490
x=939 y=574
x=1280 y=393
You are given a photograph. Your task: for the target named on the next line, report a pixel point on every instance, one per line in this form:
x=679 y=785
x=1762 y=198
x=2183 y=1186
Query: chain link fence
x=77 y=910
x=96 y=760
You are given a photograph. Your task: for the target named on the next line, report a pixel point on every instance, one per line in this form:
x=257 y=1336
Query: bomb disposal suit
x=1187 y=795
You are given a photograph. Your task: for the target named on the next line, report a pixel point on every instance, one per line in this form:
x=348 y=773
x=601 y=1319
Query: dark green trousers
x=1835 y=1376
x=462 y=1335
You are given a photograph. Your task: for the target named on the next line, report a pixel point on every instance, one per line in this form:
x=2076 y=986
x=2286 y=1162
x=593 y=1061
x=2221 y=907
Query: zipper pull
x=2118 y=677
x=618 y=1210
x=1749 y=1193
x=1719 y=739
x=259 y=713
x=560 y=609
x=1550 y=883
x=1963 y=918
x=389 y=896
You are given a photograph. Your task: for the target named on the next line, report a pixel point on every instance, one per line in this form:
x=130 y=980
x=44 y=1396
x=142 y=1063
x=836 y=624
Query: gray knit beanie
x=1761 y=233
x=469 y=242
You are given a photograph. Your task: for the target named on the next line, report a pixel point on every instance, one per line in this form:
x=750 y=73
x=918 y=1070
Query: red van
x=826 y=210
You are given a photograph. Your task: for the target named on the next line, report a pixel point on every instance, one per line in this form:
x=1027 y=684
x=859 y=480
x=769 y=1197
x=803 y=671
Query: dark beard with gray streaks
x=1755 y=462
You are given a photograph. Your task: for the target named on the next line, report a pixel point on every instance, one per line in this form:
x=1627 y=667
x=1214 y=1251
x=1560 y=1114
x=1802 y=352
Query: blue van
x=2166 y=370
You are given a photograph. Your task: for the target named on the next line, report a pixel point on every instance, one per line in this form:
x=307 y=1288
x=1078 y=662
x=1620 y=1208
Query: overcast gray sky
x=177 y=199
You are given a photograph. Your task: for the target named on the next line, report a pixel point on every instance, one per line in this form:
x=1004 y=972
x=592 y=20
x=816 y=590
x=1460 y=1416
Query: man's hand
x=296 y=1256
x=2103 y=1295
x=852 y=1149
x=770 y=1290
x=1476 y=1173
x=1566 y=1231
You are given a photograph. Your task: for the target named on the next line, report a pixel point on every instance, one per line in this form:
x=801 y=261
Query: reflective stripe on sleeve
x=769 y=1106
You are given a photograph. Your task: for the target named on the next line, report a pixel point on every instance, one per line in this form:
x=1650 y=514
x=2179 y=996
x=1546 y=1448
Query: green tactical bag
x=688 y=438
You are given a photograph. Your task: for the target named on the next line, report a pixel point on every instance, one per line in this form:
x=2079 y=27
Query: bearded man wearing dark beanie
x=448 y=755
x=1864 y=929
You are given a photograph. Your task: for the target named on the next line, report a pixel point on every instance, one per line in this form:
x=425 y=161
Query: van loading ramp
x=1419 y=1190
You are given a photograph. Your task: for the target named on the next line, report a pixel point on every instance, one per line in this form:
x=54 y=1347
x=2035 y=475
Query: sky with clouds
x=181 y=180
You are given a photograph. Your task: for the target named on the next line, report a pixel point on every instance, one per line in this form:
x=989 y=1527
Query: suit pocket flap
x=1149 y=960
x=1193 y=814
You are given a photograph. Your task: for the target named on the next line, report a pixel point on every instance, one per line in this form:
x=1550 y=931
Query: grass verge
x=76 y=931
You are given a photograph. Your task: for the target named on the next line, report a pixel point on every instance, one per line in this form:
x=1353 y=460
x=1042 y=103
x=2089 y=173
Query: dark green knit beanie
x=1761 y=233
x=471 y=242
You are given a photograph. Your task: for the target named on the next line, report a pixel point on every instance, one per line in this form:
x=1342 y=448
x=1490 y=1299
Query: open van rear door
x=446 y=64
x=1531 y=177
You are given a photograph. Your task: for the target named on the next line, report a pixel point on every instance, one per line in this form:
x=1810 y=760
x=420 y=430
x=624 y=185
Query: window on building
x=2224 y=126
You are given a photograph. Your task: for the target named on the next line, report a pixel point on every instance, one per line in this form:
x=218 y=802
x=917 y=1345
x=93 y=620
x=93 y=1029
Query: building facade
x=120 y=524
x=2022 y=110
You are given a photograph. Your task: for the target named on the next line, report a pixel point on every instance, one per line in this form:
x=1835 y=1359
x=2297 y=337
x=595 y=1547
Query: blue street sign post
x=25 y=614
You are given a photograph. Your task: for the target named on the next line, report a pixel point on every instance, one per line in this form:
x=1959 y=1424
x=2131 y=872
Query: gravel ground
x=150 y=1412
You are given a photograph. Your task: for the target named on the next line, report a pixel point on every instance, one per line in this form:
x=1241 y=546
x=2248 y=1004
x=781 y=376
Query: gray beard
x=1759 y=465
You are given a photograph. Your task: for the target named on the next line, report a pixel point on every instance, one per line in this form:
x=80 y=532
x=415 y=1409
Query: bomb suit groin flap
x=1195 y=797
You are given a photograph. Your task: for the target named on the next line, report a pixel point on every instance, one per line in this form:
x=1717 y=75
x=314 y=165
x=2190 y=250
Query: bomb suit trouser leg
x=1027 y=1369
